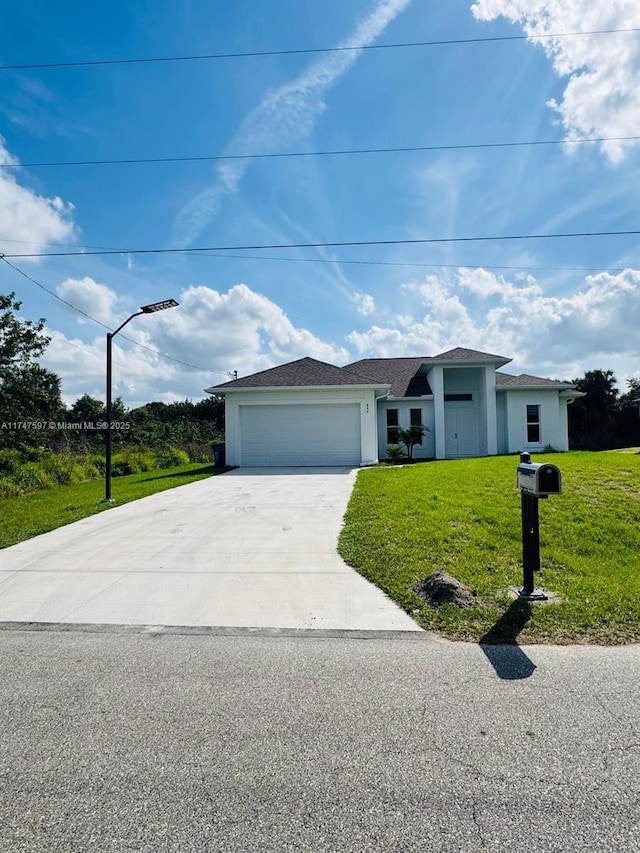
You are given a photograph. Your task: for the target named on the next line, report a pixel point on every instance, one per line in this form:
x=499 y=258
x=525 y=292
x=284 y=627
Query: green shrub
x=97 y=462
x=198 y=452
x=85 y=470
x=10 y=460
x=394 y=452
x=9 y=489
x=34 y=454
x=170 y=457
x=65 y=467
x=59 y=466
x=30 y=477
x=132 y=461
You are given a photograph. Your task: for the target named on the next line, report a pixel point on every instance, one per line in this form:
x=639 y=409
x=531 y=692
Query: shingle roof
x=400 y=373
x=525 y=380
x=301 y=373
x=462 y=354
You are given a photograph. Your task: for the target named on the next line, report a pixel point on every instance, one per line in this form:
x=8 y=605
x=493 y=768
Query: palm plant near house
x=412 y=436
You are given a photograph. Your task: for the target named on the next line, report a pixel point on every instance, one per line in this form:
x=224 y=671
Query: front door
x=460 y=431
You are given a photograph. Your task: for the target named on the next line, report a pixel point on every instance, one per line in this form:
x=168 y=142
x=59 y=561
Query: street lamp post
x=145 y=309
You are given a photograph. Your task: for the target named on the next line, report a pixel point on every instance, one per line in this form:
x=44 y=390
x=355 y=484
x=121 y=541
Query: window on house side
x=533 y=424
x=415 y=419
x=392 y=426
x=458 y=398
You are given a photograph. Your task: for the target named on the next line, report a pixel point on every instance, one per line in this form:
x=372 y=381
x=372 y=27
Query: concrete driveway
x=250 y=548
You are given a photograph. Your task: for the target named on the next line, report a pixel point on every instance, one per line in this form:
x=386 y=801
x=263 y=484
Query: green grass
x=403 y=523
x=28 y=515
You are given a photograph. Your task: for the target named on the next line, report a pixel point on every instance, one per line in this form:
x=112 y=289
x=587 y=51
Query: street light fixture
x=158 y=306
x=145 y=309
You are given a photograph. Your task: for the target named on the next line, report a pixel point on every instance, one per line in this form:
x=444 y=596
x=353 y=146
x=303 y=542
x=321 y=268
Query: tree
x=181 y=423
x=29 y=393
x=628 y=416
x=211 y=410
x=87 y=408
x=412 y=436
x=20 y=340
x=592 y=418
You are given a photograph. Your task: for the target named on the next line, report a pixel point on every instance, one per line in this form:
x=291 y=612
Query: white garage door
x=300 y=435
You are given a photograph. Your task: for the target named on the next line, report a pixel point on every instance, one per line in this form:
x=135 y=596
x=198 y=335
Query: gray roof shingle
x=462 y=354
x=400 y=373
x=301 y=373
x=525 y=380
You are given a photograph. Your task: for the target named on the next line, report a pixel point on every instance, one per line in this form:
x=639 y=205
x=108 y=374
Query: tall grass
x=35 y=469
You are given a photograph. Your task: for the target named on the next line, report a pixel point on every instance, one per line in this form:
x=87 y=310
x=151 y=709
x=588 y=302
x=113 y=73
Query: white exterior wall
x=553 y=421
x=563 y=440
x=234 y=400
x=426 y=450
x=435 y=378
x=490 y=410
x=501 y=422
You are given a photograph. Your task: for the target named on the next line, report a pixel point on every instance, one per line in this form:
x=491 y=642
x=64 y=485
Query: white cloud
x=364 y=302
x=285 y=114
x=138 y=375
x=561 y=336
x=94 y=299
x=602 y=95
x=380 y=342
x=237 y=330
x=484 y=284
x=29 y=222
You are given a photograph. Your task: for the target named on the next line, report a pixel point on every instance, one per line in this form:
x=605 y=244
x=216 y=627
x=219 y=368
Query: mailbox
x=539 y=479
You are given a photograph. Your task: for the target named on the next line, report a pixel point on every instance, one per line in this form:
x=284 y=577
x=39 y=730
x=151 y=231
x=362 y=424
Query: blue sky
x=558 y=307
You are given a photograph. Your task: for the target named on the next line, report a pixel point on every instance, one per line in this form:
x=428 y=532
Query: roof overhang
x=221 y=392
x=409 y=398
x=496 y=362
x=569 y=394
x=565 y=390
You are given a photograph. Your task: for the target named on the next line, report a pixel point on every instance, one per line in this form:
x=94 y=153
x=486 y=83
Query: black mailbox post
x=535 y=480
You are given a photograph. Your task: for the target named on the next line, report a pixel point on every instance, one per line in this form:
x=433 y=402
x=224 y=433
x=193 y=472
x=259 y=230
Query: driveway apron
x=250 y=548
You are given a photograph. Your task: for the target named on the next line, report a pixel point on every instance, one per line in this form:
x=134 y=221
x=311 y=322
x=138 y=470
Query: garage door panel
x=300 y=435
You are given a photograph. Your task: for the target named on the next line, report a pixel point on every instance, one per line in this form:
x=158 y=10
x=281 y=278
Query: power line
x=40 y=242
x=397 y=150
x=408 y=264
x=94 y=320
x=310 y=50
x=318 y=245
x=55 y=295
x=432 y=265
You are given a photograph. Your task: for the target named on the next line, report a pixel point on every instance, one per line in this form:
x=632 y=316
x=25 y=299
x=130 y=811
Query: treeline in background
x=43 y=442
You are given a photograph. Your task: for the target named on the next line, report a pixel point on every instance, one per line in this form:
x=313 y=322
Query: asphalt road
x=157 y=741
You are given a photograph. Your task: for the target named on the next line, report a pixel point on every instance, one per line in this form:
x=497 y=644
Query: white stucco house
x=308 y=412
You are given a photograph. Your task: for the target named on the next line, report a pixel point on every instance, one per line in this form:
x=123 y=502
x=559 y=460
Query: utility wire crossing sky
x=412 y=127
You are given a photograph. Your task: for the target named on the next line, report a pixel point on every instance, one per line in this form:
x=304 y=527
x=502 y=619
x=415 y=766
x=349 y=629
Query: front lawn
x=28 y=515
x=403 y=523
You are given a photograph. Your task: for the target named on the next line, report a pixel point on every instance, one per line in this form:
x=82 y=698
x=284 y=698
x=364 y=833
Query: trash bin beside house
x=219 y=454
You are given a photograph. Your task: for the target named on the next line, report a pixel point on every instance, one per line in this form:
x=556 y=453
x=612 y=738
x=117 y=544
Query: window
x=533 y=424
x=415 y=419
x=392 y=426
x=458 y=398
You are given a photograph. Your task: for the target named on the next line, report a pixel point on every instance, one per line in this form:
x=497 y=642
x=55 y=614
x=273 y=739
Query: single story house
x=308 y=412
